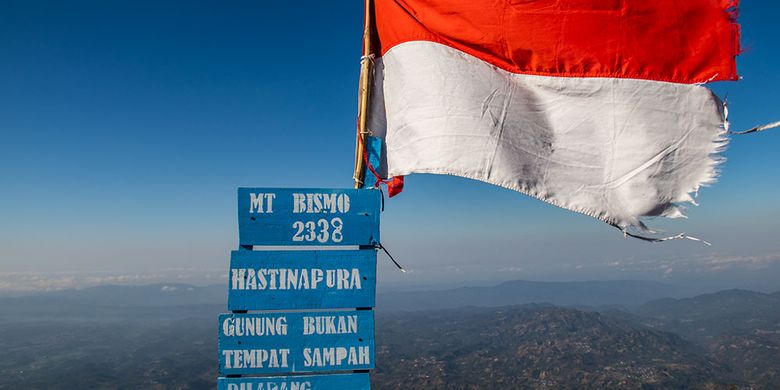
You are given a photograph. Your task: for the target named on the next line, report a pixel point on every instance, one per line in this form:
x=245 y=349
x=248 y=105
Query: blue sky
x=126 y=128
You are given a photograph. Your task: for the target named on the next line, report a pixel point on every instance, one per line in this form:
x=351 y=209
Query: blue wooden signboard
x=290 y=280
x=359 y=381
x=296 y=342
x=288 y=216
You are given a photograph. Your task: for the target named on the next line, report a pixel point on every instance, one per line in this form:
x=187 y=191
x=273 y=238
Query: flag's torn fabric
x=593 y=106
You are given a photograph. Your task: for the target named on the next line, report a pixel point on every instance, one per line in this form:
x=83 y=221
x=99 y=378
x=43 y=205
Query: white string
x=757 y=128
x=727 y=125
x=681 y=236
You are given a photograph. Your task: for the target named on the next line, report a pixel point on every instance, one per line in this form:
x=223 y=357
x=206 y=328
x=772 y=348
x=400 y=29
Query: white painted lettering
x=256 y=358
x=320 y=203
x=261 y=203
x=295 y=279
x=254 y=326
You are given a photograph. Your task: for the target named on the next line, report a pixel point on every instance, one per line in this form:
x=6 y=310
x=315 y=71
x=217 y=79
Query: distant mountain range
x=163 y=336
x=727 y=303
x=628 y=293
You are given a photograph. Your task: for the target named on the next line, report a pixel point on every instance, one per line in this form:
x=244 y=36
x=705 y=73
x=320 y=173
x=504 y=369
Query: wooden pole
x=366 y=68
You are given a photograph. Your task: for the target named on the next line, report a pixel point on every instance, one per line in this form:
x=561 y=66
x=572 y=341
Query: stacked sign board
x=296 y=312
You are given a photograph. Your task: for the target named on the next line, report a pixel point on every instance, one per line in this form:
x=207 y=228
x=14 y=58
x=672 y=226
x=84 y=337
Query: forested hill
x=535 y=347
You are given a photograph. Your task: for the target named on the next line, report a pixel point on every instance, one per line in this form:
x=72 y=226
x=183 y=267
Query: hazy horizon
x=756 y=274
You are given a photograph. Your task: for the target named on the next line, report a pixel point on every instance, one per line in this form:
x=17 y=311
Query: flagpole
x=366 y=67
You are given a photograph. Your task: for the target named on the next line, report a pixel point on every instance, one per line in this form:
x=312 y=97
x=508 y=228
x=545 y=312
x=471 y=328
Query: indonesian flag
x=596 y=106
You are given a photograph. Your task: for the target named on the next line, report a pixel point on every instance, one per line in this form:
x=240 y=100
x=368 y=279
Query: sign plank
x=289 y=280
x=296 y=342
x=359 y=381
x=289 y=216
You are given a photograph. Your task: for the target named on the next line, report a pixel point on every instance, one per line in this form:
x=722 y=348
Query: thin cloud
x=33 y=282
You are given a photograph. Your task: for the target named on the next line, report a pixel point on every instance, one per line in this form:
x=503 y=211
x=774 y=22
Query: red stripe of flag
x=683 y=41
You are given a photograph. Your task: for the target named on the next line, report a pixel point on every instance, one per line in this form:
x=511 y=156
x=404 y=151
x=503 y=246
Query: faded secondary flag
x=596 y=106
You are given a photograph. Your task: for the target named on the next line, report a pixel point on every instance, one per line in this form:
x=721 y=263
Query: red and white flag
x=596 y=106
